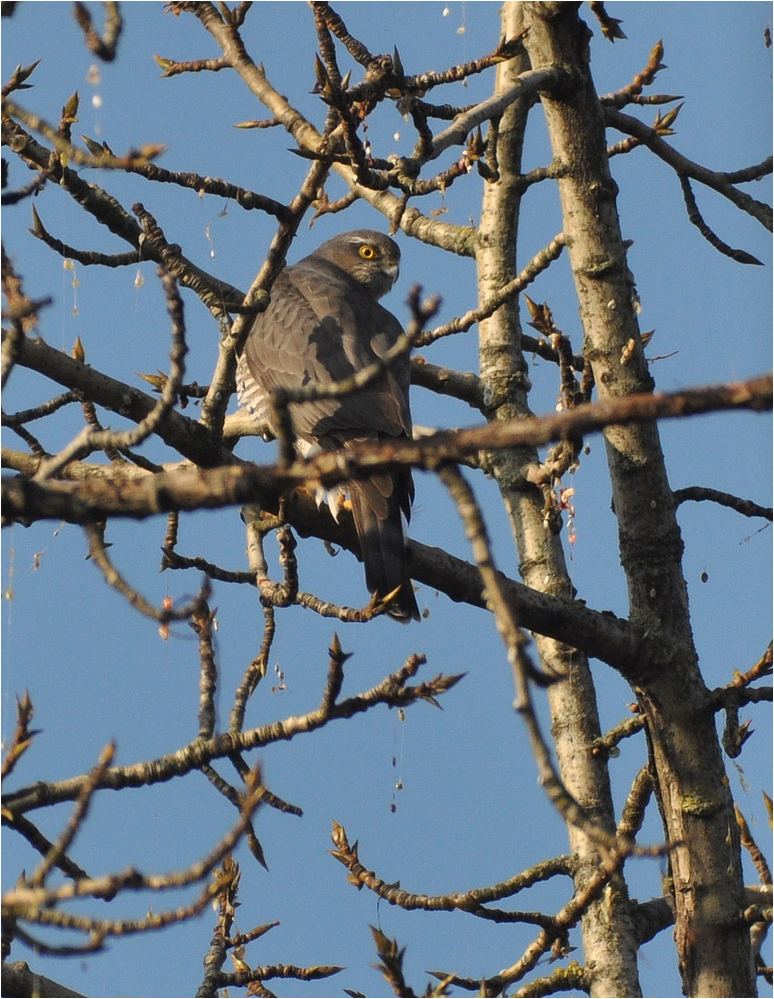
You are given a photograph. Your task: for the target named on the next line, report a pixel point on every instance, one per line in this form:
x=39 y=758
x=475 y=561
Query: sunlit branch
x=35 y=903
x=472 y=901
x=183 y=434
x=107 y=210
x=684 y=167
x=210 y=488
x=536 y=266
x=394 y=691
x=104 y=160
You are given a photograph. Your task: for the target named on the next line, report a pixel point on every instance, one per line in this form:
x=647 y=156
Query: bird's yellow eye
x=367 y=252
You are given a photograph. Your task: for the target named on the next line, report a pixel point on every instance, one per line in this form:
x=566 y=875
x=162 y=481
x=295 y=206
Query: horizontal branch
x=472 y=901
x=243 y=197
x=142 y=495
x=394 y=691
x=217 y=487
x=600 y=635
x=20 y=980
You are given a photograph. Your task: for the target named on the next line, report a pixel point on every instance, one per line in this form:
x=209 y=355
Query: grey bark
x=713 y=943
x=609 y=942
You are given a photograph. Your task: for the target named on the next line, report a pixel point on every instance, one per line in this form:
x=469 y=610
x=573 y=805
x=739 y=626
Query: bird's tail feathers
x=378 y=514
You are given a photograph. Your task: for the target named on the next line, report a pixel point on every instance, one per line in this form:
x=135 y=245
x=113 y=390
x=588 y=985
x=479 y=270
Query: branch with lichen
x=570 y=978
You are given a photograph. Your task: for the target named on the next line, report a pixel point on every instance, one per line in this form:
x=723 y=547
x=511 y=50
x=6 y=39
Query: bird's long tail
x=377 y=509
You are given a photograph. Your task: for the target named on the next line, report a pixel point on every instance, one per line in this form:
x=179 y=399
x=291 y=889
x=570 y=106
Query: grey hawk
x=323 y=324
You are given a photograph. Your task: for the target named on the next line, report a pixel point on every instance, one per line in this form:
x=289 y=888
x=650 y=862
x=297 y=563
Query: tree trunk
x=609 y=944
x=712 y=940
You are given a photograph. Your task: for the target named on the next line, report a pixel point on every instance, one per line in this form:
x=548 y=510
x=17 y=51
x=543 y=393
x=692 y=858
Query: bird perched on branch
x=324 y=324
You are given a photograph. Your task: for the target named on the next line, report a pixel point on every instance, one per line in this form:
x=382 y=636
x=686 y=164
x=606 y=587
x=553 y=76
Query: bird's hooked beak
x=392 y=270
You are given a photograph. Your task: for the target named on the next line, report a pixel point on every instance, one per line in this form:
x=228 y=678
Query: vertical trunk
x=712 y=941
x=609 y=944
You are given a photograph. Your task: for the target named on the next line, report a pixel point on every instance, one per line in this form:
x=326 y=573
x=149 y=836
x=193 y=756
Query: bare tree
x=168 y=462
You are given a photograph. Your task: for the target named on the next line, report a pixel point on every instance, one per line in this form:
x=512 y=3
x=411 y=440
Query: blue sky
x=97 y=671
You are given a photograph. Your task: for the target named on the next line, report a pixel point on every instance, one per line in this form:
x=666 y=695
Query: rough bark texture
x=609 y=944
x=712 y=941
x=19 y=980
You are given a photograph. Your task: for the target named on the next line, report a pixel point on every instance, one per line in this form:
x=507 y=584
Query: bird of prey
x=324 y=323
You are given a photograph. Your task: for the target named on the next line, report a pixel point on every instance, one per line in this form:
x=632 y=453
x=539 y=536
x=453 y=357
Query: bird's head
x=370 y=257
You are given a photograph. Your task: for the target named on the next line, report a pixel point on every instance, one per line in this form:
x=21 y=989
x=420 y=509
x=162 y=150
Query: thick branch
x=713 y=945
x=20 y=980
x=210 y=488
